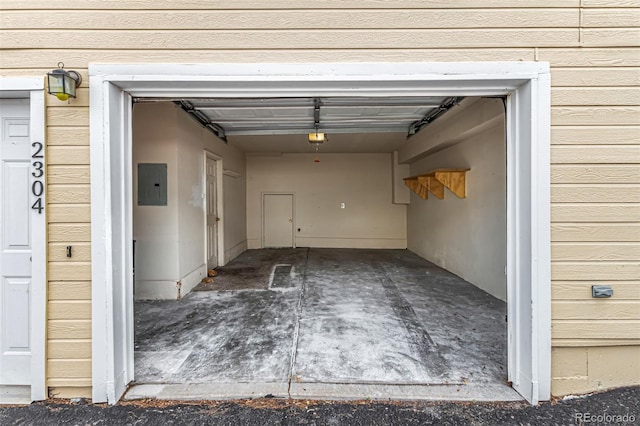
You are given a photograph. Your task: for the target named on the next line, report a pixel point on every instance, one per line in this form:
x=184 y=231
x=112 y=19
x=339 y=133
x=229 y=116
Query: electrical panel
x=152 y=184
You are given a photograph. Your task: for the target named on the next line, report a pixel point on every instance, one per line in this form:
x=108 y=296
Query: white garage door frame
x=32 y=88
x=526 y=85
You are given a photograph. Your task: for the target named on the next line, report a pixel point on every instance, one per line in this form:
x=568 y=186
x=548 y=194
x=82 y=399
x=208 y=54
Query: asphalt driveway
x=619 y=407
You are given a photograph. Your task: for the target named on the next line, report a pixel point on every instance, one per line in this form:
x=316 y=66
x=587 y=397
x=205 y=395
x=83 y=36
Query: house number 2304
x=37 y=187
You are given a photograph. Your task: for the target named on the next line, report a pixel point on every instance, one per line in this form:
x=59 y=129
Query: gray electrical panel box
x=152 y=184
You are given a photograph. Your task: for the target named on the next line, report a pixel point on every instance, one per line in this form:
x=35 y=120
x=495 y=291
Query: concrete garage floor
x=325 y=323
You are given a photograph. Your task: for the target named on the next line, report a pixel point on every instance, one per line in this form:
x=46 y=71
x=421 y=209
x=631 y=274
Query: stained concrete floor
x=317 y=323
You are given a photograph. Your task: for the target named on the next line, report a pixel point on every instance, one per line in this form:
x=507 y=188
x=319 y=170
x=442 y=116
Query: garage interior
x=337 y=275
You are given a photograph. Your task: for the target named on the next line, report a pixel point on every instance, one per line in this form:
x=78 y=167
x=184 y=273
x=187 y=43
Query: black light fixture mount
x=63 y=83
x=316 y=137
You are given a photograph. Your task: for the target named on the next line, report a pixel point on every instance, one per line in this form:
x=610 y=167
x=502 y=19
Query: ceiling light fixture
x=316 y=137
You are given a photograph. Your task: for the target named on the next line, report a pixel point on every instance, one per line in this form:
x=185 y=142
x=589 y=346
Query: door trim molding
x=219 y=205
x=293 y=214
x=32 y=88
x=525 y=84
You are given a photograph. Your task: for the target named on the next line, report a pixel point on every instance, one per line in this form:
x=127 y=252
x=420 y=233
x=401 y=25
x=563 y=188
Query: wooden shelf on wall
x=437 y=180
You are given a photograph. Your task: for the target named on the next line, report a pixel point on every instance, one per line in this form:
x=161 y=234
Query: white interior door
x=212 y=214
x=278 y=220
x=15 y=237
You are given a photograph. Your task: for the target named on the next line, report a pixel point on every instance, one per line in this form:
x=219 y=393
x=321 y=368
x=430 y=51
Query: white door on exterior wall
x=278 y=220
x=212 y=214
x=15 y=237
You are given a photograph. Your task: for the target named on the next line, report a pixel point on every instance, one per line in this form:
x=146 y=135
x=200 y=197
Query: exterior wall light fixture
x=63 y=83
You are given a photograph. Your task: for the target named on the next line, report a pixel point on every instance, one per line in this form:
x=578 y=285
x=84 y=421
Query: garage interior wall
x=362 y=182
x=170 y=239
x=466 y=236
x=593 y=50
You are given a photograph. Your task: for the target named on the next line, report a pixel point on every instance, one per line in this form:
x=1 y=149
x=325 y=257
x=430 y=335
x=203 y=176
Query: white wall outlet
x=343 y=205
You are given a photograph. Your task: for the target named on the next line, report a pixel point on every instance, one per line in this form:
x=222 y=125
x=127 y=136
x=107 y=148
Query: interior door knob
x=290 y=221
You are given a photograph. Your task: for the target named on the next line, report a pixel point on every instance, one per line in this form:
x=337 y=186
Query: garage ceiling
x=352 y=124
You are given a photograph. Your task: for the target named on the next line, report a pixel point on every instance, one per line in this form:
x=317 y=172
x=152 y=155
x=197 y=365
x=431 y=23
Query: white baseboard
x=154 y=290
x=254 y=243
x=235 y=251
x=192 y=279
x=329 y=242
x=364 y=243
x=159 y=290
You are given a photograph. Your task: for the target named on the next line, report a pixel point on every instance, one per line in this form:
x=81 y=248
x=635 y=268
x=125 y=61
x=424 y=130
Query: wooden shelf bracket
x=435 y=181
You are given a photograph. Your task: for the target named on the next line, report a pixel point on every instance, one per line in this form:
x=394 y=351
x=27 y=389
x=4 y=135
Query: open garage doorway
x=527 y=159
x=350 y=312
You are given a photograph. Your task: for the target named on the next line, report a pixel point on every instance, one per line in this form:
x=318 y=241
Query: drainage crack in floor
x=282 y=277
x=419 y=338
x=296 y=332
